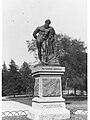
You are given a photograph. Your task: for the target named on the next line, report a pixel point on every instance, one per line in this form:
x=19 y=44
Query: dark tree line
x=73 y=56
x=17 y=80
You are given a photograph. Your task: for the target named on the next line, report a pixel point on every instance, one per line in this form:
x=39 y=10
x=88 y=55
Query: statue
x=45 y=37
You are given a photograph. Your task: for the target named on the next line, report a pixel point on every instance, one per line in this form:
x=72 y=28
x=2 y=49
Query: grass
x=77 y=105
x=73 y=103
x=24 y=100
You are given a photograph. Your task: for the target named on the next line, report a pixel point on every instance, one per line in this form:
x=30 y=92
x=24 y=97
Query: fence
x=22 y=115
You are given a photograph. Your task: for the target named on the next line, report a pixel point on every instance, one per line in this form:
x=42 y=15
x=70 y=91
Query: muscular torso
x=43 y=32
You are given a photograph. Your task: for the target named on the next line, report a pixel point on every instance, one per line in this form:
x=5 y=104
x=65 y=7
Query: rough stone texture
x=36 y=87
x=48 y=114
x=51 y=87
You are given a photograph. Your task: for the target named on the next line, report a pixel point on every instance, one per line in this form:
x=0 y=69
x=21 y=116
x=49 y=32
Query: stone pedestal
x=49 y=105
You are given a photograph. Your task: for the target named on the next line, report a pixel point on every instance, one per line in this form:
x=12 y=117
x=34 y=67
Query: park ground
x=73 y=103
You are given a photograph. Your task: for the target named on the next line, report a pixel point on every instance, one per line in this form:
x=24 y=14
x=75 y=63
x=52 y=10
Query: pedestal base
x=49 y=84
x=49 y=108
x=48 y=114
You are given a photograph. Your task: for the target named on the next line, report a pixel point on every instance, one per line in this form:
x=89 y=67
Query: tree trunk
x=75 y=90
x=68 y=91
x=81 y=91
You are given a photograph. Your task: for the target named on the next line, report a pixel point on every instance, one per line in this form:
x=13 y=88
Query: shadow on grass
x=75 y=98
x=24 y=100
x=28 y=100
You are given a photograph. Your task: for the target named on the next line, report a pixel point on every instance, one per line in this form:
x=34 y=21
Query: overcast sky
x=21 y=17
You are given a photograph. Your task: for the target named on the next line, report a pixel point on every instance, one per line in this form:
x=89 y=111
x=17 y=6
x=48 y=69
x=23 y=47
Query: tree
x=27 y=80
x=4 y=80
x=74 y=60
x=14 y=77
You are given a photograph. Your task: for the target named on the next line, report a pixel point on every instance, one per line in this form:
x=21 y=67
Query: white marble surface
x=48 y=114
x=47 y=99
x=48 y=102
x=13 y=106
x=48 y=68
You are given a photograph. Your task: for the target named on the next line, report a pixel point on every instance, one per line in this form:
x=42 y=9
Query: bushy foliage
x=16 y=81
x=74 y=58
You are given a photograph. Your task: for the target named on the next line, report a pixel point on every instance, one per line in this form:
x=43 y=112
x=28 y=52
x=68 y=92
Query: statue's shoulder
x=52 y=31
x=51 y=28
x=39 y=28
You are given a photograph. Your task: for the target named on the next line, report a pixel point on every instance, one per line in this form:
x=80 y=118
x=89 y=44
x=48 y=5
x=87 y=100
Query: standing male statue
x=42 y=34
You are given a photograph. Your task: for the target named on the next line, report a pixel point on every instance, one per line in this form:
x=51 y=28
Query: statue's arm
x=52 y=32
x=35 y=32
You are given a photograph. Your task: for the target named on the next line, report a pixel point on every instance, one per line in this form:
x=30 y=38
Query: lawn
x=76 y=102
x=72 y=102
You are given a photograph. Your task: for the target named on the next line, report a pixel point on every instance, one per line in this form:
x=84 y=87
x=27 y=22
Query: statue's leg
x=46 y=51
x=52 y=46
x=39 y=50
x=39 y=54
x=38 y=47
x=49 y=46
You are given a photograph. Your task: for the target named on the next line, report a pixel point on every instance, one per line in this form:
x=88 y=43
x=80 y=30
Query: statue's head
x=47 y=23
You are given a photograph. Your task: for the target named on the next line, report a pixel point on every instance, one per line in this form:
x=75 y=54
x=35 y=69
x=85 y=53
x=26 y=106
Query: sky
x=21 y=17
